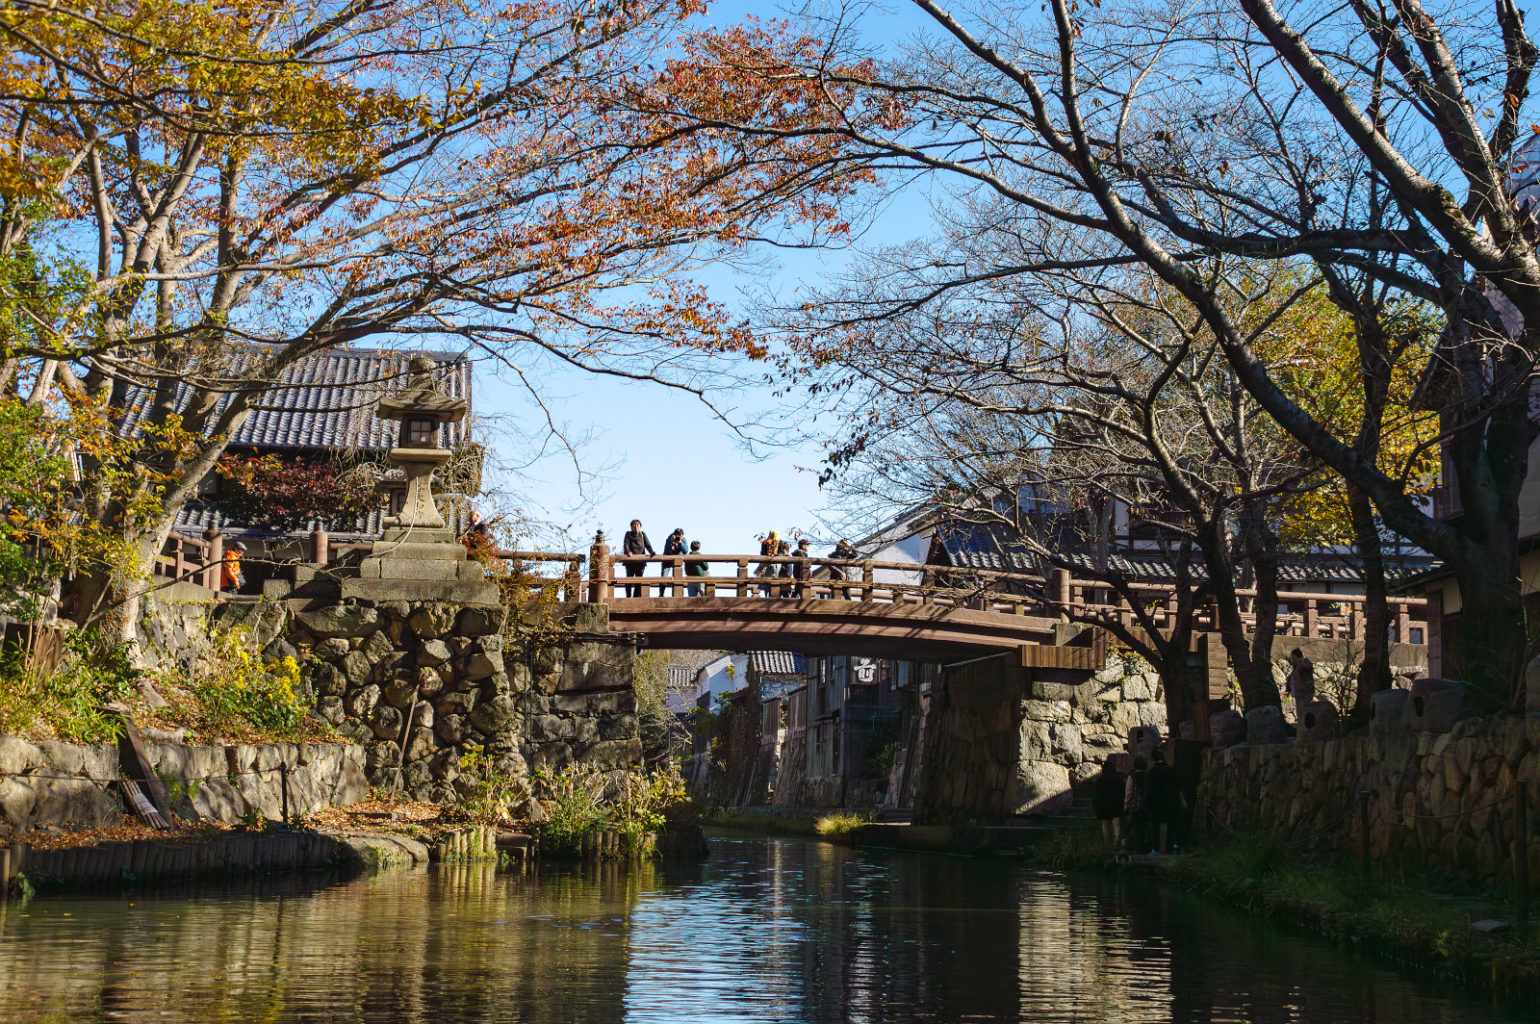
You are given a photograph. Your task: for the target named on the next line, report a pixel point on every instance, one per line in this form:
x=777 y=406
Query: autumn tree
x=1367 y=144
x=1044 y=408
x=209 y=192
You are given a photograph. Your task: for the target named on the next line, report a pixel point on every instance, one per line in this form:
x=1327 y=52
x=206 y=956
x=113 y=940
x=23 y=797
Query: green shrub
x=488 y=791
x=582 y=803
x=71 y=702
x=840 y=823
x=232 y=693
x=573 y=801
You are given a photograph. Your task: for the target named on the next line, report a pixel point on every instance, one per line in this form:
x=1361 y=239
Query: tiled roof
x=197 y=517
x=327 y=400
x=973 y=546
x=778 y=663
x=1293 y=570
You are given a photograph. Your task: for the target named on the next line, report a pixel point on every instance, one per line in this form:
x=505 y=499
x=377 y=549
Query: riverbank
x=1392 y=911
x=367 y=836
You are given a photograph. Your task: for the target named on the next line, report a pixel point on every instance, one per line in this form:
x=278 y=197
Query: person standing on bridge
x=673 y=544
x=783 y=570
x=767 y=549
x=846 y=551
x=635 y=542
x=696 y=569
x=802 y=569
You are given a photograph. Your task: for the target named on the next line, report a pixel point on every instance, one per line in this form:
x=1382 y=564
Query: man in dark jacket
x=635 y=542
x=802 y=568
x=673 y=544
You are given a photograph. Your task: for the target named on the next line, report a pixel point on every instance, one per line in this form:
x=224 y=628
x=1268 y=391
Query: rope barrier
x=184 y=779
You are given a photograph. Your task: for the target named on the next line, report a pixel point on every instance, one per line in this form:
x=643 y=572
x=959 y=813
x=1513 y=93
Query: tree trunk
x=1258 y=688
x=1374 y=671
x=1493 y=643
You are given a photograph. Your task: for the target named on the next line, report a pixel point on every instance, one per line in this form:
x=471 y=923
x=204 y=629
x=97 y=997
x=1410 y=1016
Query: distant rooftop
x=326 y=401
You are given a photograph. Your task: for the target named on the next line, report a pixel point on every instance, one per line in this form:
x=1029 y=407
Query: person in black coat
x=1107 y=802
x=635 y=542
x=846 y=551
x=1163 y=799
x=673 y=545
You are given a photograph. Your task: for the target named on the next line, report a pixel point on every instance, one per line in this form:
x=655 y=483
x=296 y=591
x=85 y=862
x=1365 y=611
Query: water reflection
x=766 y=931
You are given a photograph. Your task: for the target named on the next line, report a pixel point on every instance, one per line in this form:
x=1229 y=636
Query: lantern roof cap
x=422 y=396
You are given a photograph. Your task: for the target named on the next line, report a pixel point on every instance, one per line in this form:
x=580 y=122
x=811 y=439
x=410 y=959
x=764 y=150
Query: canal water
x=766 y=930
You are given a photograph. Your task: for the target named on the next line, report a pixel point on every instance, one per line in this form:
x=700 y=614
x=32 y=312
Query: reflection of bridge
x=913 y=611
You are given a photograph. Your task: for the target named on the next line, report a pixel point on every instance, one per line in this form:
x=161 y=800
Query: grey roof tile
x=327 y=400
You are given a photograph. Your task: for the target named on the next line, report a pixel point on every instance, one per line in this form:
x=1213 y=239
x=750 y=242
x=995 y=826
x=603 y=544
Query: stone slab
x=460 y=592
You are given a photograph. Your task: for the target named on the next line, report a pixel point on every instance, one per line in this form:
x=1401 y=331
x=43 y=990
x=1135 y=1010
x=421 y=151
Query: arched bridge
x=894 y=609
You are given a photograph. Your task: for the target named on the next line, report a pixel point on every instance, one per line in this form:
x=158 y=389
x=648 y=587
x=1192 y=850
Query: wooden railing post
x=743 y=576
x=1403 y=623
x=1060 y=589
x=178 y=558
x=600 y=568
x=320 y=547
x=678 y=588
x=213 y=557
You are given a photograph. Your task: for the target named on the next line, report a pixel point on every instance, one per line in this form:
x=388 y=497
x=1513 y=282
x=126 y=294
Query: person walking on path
x=1107 y=802
x=696 y=570
x=1301 y=682
x=635 y=542
x=767 y=549
x=673 y=544
x=846 y=551
x=1162 y=799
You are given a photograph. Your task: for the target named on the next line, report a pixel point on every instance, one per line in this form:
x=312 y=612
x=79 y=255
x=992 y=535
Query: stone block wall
x=1441 y=800
x=1003 y=741
x=580 y=704
x=417 y=682
x=65 y=785
x=227 y=783
x=46 y=782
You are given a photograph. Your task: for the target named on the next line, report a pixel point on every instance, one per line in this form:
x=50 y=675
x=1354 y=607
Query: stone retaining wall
x=419 y=682
x=1441 y=800
x=65 y=785
x=1002 y=741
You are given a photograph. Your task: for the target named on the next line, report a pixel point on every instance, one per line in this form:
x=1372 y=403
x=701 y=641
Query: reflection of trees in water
x=400 y=946
x=780 y=931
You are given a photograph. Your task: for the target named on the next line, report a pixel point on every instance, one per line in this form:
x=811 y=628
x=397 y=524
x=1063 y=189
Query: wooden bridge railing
x=1300 y=613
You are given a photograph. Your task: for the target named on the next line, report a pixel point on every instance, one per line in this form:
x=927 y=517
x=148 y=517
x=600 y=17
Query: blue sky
x=662 y=456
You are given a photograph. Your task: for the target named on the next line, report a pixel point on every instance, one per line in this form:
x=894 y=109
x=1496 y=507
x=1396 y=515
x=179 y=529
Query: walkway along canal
x=766 y=930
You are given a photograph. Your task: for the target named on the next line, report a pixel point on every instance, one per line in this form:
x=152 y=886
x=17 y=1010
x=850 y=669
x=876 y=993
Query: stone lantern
x=423 y=411
x=418 y=556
